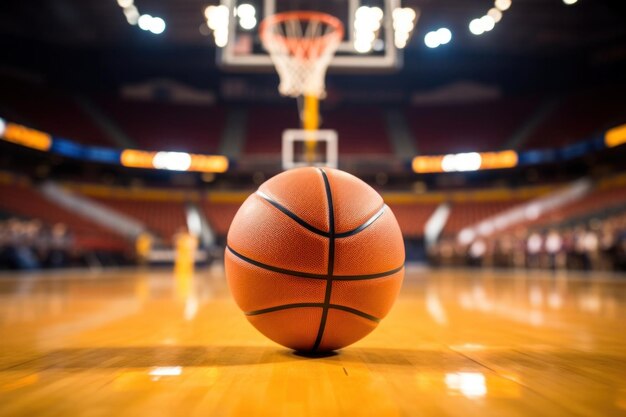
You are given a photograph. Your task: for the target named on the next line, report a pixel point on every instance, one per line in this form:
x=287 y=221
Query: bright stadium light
x=172 y=161
x=444 y=35
x=432 y=40
x=362 y=13
x=366 y=25
x=247 y=23
x=461 y=162
x=488 y=23
x=365 y=36
x=209 y=11
x=124 y=3
x=401 y=39
x=145 y=21
x=399 y=43
x=246 y=10
x=495 y=14
x=376 y=13
x=132 y=15
x=403 y=24
x=217 y=16
x=157 y=25
x=570 y=2
x=221 y=37
x=476 y=27
x=439 y=37
x=503 y=4
x=362 y=46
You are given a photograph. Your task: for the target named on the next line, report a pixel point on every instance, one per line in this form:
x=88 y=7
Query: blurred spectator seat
x=23 y=200
x=168 y=126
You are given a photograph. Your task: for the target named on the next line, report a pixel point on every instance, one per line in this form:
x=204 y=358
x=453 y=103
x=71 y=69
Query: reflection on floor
x=458 y=342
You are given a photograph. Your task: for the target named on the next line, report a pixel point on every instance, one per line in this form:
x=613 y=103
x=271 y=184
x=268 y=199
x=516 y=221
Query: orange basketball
x=315 y=259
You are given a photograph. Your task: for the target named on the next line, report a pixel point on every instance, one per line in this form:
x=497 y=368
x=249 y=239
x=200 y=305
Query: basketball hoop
x=301 y=45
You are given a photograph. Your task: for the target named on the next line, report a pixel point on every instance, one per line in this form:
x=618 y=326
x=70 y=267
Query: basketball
x=315 y=259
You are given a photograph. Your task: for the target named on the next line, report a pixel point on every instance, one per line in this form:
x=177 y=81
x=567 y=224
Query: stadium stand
x=163 y=217
x=52 y=111
x=273 y=120
x=167 y=126
x=412 y=217
x=572 y=121
x=596 y=202
x=25 y=201
x=468 y=213
x=220 y=215
x=361 y=129
x=476 y=127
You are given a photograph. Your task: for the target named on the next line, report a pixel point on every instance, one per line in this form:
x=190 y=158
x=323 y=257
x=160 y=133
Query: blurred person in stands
x=35 y=239
x=534 y=245
x=608 y=244
x=477 y=252
x=554 y=249
x=446 y=252
x=20 y=253
x=620 y=248
x=60 y=243
x=579 y=260
x=499 y=258
x=569 y=248
x=4 y=245
x=507 y=248
x=519 y=248
x=591 y=247
x=459 y=257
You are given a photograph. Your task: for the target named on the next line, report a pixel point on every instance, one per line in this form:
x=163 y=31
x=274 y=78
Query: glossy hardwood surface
x=458 y=342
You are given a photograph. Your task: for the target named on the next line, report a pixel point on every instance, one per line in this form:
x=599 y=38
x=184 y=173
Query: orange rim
x=314 y=45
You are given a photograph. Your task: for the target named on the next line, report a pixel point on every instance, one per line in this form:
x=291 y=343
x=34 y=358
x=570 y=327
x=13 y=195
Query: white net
x=301 y=45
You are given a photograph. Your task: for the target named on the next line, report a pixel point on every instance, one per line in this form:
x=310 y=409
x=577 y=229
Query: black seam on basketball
x=331 y=260
x=364 y=225
x=313 y=276
x=355 y=312
x=308 y=305
x=292 y=215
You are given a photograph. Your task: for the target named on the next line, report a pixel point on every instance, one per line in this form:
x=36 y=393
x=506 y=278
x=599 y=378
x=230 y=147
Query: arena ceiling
x=538 y=41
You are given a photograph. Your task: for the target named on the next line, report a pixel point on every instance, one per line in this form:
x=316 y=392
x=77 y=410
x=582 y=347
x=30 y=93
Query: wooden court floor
x=457 y=343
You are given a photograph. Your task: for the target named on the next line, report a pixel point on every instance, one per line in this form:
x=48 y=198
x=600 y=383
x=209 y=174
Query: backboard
x=244 y=50
x=294 y=152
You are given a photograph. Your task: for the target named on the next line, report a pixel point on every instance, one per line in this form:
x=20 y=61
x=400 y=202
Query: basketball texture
x=315 y=259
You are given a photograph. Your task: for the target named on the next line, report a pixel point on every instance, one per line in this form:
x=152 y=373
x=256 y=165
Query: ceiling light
x=144 y=21
x=476 y=27
x=495 y=14
x=157 y=25
x=444 y=35
x=432 y=40
x=503 y=4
